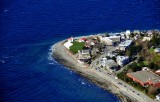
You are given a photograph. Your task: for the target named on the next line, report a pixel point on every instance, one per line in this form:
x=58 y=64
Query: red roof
x=84 y=39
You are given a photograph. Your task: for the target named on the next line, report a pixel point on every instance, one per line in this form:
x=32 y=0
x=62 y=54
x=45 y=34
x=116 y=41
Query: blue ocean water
x=28 y=29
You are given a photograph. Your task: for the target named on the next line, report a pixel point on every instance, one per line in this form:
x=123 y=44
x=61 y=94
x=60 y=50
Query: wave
x=51 y=60
x=2 y=61
x=7 y=57
x=5 y=10
x=83 y=82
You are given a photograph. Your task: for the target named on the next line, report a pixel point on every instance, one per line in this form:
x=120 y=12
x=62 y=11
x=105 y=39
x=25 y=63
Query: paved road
x=124 y=87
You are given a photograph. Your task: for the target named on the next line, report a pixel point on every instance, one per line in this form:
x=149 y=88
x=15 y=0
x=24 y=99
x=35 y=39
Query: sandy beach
x=60 y=54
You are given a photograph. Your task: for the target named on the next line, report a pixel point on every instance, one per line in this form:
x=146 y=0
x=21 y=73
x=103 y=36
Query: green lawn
x=77 y=46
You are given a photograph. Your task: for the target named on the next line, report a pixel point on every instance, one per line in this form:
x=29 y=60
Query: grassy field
x=77 y=46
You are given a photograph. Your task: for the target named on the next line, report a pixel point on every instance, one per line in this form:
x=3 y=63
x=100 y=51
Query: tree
x=140 y=59
x=114 y=58
x=128 y=53
x=135 y=67
x=152 y=90
x=151 y=65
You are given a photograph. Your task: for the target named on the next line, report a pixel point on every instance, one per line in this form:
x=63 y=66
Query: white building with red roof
x=70 y=39
x=82 y=39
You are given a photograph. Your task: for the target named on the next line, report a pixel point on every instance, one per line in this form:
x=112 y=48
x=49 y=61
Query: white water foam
x=52 y=61
x=5 y=10
x=82 y=81
x=7 y=57
x=2 y=61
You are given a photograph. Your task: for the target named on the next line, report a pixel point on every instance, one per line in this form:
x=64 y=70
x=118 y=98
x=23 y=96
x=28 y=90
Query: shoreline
x=59 y=54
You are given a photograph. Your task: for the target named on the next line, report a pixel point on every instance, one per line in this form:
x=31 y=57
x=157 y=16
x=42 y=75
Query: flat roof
x=121 y=58
x=125 y=43
x=157 y=49
x=111 y=63
x=146 y=76
x=106 y=39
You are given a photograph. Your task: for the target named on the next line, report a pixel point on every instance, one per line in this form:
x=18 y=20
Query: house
x=157 y=50
x=90 y=42
x=137 y=32
x=128 y=33
x=122 y=60
x=136 y=37
x=115 y=38
x=145 y=78
x=110 y=40
x=84 y=54
x=111 y=54
x=122 y=36
x=82 y=39
x=109 y=64
x=150 y=33
x=124 y=45
x=107 y=41
x=70 y=39
x=158 y=97
x=94 y=51
x=146 y=38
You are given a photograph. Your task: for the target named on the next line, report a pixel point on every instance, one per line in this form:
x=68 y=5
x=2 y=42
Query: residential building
x=94 y=51
x=145 y=78
x=107 y=41
x=82 y=39
x=122 y=60
x=109 y=64
x=137 y=32
x=146 y=38
x=115 y=38
x=157 y=50
x=111 y=54
x=128 y=33
x=90 y=42
x=70 y=39
x=110 y=40
x=84 y=54
x=136 y=37
x=124 y=45
x=150 y=33
x=122 y=36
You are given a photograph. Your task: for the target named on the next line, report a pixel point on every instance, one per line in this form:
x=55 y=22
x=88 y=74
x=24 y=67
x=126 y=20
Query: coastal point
x=125 y=63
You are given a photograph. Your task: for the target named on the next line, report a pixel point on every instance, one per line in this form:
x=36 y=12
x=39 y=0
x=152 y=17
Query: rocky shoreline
x=61 y=56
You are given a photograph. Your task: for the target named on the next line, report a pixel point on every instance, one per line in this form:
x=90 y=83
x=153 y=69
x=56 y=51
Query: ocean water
x=28 y=29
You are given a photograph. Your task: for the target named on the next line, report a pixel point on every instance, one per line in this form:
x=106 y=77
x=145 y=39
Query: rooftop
x=85 y=51
x=121 y=58
x=126 y=43
x=146 y=76
x=111 y=63
x=157 y=49
x=106 y=39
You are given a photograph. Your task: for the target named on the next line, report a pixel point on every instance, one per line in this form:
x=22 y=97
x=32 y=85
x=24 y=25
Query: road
x=123 y=87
